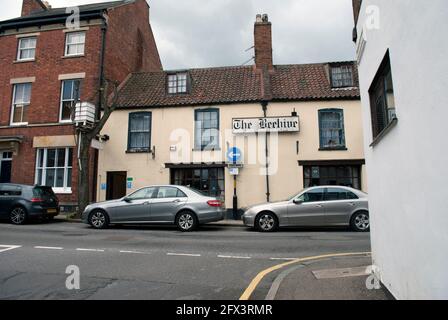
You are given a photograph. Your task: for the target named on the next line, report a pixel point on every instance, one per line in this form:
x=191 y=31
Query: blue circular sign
x=234 y=155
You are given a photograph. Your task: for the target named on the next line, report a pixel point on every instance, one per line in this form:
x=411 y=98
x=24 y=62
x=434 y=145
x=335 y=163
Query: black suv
x=18 y=203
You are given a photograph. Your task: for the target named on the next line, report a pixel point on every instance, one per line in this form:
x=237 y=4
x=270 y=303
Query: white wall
x=408 y=169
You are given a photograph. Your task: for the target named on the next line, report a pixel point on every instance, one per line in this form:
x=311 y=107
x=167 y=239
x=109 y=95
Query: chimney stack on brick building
x=263 y=42
x=33 y=6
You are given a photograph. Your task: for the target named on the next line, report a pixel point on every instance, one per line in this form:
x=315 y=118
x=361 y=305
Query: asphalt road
x=216 y=262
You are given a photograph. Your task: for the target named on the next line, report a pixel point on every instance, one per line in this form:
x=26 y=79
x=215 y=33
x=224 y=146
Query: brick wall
x=49 y=64
x=130 y=47
x=30 y=6
x=45 y=95
x=263 y=44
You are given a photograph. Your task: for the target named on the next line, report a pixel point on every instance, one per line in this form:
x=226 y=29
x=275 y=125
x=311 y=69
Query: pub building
x=293 y=126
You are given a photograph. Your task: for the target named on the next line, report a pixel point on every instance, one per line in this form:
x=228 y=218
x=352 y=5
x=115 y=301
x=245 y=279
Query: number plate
x=51 y=210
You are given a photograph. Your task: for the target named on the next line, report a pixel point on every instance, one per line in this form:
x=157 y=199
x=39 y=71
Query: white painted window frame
x=62 y=100
x=19 y=49
x=67 y=44
x=13 y=105
x=58 y=190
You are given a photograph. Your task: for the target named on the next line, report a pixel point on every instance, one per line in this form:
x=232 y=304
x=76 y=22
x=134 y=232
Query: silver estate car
x=167 y=204
x=316 y=206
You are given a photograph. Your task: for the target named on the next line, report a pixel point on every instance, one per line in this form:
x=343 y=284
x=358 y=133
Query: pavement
x=218 y=262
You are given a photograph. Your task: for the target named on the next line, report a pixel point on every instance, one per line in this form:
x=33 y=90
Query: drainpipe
x=101 y=72
x=264 y=105
x=100 y=100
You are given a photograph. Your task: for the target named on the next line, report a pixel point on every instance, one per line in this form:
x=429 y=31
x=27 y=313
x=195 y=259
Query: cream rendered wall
x=251 y=185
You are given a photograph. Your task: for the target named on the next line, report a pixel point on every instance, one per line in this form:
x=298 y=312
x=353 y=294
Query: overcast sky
x=209 y=33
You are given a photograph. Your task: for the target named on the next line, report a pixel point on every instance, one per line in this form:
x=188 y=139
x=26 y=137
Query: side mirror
x=127 y=199
x=297 y=201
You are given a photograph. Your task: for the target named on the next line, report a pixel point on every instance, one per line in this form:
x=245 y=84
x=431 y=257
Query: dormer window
x=177 y=83
x=341 y=76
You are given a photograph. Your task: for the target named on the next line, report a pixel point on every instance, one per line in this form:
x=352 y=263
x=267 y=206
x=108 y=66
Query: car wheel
x=186 y=221
x=99 y=219
x=18 y=216
x=266 y=222
x=360 y=222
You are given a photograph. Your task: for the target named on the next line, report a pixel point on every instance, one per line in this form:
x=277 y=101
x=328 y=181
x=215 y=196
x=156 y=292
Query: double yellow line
x=254 y=283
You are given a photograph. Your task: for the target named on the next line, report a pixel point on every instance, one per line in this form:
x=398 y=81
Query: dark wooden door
x=5 y=171
x=116 y=185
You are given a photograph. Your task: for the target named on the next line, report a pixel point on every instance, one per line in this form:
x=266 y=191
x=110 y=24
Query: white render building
x=402 y=49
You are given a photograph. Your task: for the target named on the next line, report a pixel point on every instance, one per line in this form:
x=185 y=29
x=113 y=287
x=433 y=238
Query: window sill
x=138 y=151
x=62 y=191
x=333 y=149
x=19 y=124
x=23 y=61
x=73 y=56
x=383 y=133
x=344 y=88
x=203 y=150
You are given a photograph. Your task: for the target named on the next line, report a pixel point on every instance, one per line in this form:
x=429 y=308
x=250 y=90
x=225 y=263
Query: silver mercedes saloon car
x=316 y=206
x=166 y=204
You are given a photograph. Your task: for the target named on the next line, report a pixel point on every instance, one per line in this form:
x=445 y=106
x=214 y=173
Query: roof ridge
x=91 y=4
x=312 y=63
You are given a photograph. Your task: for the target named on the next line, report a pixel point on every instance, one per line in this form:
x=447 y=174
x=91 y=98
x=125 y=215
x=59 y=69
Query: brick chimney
x=32 y=6
x=263 y=42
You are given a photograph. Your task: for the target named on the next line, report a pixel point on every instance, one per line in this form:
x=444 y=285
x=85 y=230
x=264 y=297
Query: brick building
x=46 y=66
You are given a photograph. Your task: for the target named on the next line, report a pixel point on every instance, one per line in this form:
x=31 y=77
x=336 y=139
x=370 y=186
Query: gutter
x=39 y=21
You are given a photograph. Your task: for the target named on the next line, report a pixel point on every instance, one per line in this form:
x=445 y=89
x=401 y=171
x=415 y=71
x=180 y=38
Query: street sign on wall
x=268 y=124
x=234 y=155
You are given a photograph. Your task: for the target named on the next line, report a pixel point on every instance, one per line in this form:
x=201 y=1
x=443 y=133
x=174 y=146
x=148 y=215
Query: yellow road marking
x=254 y=283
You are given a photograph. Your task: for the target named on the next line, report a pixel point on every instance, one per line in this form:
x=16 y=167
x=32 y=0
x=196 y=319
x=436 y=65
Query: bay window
x=54 y=169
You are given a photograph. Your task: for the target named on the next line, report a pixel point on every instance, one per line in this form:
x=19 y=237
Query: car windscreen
x=199 y=192
x=43 y=192
x=295 y=195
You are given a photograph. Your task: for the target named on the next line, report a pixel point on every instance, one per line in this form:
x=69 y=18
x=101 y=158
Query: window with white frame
x=20 y=103
x=70 y=93
x=75 y=43
x=177 y=83
x=27 y=49
x=54 y=168
x=342 y=76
